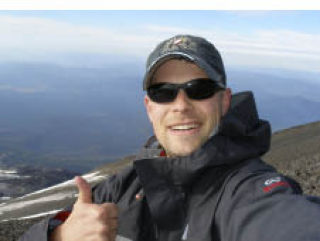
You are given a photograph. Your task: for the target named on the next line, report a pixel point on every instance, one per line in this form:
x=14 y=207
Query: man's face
x=183 y=125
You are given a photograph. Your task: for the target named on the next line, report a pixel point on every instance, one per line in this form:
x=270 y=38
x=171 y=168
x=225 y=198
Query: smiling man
x=200 y=178
x=183 y=123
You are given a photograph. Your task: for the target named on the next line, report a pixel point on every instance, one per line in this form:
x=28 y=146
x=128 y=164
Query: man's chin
x=182 y=150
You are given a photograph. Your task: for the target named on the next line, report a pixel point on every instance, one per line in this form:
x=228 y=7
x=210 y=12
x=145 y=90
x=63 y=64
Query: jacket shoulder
x=256 y=194
x=257 y=179
x=112 y=189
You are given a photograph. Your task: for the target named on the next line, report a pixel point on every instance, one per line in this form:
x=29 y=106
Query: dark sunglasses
x=196 y=89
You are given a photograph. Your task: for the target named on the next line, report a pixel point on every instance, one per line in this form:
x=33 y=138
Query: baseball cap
x=193 y=48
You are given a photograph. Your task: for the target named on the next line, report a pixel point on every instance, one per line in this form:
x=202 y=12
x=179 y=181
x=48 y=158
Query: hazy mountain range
x=79 y=118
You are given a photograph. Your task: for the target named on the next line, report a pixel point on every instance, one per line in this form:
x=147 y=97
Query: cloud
x=281 y=48
x=39 y=39
x=30 y=36
x=263 y=48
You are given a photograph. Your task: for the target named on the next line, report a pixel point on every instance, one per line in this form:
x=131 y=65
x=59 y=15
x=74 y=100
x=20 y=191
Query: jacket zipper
x=156 y=232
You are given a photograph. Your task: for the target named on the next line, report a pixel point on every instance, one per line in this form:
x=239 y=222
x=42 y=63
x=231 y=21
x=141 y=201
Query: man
x=200 y=177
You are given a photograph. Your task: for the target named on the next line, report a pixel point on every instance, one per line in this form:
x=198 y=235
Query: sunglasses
x=196 y=89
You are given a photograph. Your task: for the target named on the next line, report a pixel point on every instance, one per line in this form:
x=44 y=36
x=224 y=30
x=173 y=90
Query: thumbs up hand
x=88 y=221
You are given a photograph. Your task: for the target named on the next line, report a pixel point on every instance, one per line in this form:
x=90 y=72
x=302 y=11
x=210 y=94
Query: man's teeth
x=184 y=127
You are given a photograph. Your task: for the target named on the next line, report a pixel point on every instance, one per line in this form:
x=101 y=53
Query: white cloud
x=282 y=48
x=263 y=48
x=36 y=37
x=30 y=38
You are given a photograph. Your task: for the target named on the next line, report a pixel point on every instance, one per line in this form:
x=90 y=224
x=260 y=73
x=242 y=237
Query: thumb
x=85 y=194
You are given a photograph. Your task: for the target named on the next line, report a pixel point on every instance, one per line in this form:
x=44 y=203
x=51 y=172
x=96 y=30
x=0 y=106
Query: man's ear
x=148 y=106
x=226 y=101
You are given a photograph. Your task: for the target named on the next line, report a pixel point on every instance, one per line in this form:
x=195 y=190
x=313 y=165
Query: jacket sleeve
x=267 y=206
x=42 y=229
x=102 y=192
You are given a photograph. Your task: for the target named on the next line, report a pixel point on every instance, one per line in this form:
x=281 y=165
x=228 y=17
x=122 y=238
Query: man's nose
x=181 y=102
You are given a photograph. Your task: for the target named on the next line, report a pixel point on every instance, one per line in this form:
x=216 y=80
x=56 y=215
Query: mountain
x=79 y=118
x=294 y=152
x=282 y=98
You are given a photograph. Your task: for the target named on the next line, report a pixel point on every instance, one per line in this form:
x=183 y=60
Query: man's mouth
x=184 y=127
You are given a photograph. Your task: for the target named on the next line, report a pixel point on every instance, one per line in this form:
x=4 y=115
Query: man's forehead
x=176 y=67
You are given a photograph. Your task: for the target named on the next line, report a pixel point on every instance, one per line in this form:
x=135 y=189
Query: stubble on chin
x=181 y=147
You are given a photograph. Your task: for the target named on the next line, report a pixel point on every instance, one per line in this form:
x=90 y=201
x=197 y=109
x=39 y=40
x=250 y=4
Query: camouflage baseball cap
x=192 y=48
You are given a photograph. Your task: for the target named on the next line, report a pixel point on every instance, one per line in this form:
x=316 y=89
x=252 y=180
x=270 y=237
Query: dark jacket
x=222 y=191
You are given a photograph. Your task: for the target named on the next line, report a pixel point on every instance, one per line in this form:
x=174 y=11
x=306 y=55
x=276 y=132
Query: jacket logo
x=274 y=182
x=179 y=43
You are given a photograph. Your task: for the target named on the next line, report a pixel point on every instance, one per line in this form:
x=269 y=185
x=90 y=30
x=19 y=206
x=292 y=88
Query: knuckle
x=101 y=214
x=113 y=223
x=102 y=229
x=105 y=230
x=110 y=206
x=111 y=209
x=97 y=212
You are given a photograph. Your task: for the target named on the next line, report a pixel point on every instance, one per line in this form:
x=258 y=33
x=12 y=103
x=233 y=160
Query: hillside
x=295 y=152
x=18 y=180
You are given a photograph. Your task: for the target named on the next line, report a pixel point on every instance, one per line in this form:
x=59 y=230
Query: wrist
x=56 y=234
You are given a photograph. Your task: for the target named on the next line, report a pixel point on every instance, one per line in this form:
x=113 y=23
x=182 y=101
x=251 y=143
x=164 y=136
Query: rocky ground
x=26 y=179
x=11 y=231
x=294 y=152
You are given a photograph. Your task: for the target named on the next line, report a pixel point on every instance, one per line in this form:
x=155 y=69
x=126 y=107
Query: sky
x=254 y=39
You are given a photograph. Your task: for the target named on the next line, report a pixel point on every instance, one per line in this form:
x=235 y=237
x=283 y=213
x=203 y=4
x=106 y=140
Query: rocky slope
x=17 y=180
x=294 y=152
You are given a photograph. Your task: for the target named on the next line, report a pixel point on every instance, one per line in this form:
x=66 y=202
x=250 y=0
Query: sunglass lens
x=199 y=89
x=162 y=93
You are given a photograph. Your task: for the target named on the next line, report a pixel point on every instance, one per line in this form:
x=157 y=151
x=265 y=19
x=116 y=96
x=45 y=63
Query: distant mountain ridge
x=77 y=118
